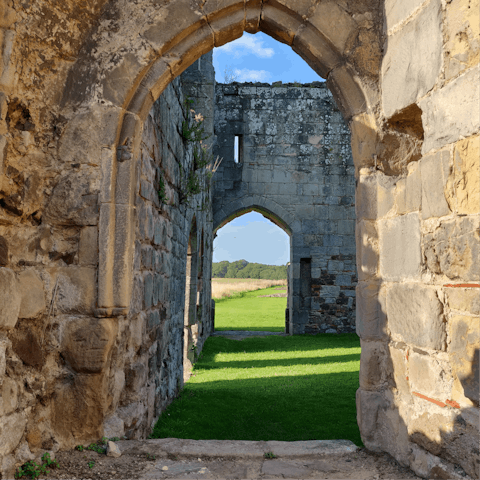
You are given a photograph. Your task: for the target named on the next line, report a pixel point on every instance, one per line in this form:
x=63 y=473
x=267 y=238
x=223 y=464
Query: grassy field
x=226 y=287
x=271 y=388
x=246 y=311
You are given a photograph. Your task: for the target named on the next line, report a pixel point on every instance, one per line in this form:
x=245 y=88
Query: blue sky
x=260 y=58
x=253 y=238
x=257 y=58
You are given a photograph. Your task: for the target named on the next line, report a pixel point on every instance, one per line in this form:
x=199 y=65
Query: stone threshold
x=164 y=447
x=244 y=333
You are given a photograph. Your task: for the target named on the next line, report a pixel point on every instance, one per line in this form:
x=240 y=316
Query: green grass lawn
x=272 y=388
x=246 y=311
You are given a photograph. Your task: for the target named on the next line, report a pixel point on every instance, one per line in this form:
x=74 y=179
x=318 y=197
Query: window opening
x=305 y=280
x=238 y=149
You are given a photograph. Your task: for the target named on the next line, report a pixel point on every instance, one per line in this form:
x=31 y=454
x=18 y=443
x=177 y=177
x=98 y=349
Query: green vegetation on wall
x=244 y=269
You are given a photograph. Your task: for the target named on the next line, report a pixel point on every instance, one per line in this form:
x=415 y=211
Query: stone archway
x=414 y=142
x=132 y=85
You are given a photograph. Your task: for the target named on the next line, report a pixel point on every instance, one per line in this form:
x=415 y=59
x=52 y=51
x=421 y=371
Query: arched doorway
x=250 y=253
x=114 y=88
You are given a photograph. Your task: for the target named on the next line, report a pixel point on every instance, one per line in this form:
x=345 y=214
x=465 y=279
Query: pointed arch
x=268 y=208
x=122 y=93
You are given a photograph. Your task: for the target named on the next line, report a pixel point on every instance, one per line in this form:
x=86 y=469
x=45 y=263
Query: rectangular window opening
x=305 y=280
x=238 y=149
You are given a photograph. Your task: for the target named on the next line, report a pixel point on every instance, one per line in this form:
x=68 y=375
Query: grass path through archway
x=271 y=388
x=251 y=311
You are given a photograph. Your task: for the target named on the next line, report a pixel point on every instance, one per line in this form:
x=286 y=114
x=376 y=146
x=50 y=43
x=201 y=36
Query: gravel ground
x=359 y=465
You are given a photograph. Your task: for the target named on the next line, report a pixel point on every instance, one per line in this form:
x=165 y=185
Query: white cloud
x=256 y=242
x=248 y=44
x=246 y=75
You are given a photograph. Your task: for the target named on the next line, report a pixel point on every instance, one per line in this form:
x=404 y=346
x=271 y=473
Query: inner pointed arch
x=268 y=214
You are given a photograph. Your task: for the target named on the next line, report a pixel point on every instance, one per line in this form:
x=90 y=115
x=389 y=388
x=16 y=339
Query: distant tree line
x=244 y=269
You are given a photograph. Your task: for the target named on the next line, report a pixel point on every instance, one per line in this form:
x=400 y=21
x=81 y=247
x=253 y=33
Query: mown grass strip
x=271 y=388
x=246 y=311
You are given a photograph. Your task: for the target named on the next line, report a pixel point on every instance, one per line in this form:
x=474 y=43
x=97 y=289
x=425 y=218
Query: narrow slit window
x=238 y=149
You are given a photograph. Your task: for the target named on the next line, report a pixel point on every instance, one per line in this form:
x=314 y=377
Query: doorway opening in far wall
x=190 y=330
x=249 y=273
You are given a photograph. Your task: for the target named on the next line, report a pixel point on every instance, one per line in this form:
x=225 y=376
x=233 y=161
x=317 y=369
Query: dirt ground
x=360 y=465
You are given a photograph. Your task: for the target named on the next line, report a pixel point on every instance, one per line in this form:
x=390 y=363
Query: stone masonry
x=104 y=289
x=295 y=168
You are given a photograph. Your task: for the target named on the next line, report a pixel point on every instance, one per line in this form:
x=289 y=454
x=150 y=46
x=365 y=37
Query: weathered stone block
x=148 y=290
x=423 y=463
x=371 y=320
x=153 y=319
x=428 y=430
x=335 y=23
x=463 y=187
x=33 y=296
x=415 y=316
x=10 y=299
x=80 y=405
x=411 y=75
x=453 y=249
x=88 y=246
x=86 y=343
x=368 y=406
x=9 y=396
x=429 y=376
x=7 y=69
x=463 y=349
x=367 y=250
x=364 y=140
x=117 y=83
x=435 y=170
x=464 y=299
x=113 y=427
x=27 y=345
x=374 y=196
x=3 y=360
x=461 y=444
x=373 y=365
x=399 y=247
x=116 y=386
x=399 y=371
x=136 y=376
x=158 y=289
x=76 y=292
x=13 y=428
x=397 y=11
x=348 y=93
x=131 y=414
x=448 y=114
x=463 y=43
x=184 y=18
x=3 y=252
x=74 y=200
x=408 y=192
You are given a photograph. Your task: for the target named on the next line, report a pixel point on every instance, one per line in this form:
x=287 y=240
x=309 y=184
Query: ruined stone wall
x=296 y=168
x=172 y=227
x=418 y=244
x=78 y=81
x=67 y=377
